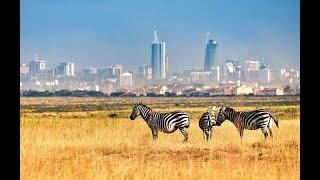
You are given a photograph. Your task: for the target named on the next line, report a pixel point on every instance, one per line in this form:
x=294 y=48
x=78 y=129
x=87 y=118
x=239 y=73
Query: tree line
x=85 y=93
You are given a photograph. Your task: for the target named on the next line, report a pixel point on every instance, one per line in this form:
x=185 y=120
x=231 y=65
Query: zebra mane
x=229 y=109
x=140 y=104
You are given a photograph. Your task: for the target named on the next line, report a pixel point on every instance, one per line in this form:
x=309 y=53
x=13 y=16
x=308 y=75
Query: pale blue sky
x=99 y=33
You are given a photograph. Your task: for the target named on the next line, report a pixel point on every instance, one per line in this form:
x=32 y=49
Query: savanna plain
x=93 y=138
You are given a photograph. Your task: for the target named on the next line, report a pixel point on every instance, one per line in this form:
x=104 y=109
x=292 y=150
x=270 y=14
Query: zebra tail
x=275 y=121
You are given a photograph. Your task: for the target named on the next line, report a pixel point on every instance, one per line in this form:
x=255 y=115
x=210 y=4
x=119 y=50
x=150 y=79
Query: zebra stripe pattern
x=206 y=122
x=164 y=122
x=251 y=120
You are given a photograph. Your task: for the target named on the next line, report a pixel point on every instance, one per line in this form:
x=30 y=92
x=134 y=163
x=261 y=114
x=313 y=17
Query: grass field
x=73 y=138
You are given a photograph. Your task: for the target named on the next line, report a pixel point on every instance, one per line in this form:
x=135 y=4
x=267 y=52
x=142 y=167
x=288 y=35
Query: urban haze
x=181 y=47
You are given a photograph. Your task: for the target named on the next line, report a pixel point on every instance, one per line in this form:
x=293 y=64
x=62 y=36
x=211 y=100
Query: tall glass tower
x=210 y=54
x=159 y=60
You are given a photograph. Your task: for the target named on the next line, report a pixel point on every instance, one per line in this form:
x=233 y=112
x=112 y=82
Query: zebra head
x=221 y=116
x=136 y=111
x=225 y=113
x=212 y=108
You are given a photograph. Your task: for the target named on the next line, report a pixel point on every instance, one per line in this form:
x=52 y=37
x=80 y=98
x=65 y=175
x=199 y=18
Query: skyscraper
x=210 y=54
x=159 y=59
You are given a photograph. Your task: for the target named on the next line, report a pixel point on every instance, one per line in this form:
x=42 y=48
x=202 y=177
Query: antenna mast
x=155 y=37
x=36 y=55
x=206 y=37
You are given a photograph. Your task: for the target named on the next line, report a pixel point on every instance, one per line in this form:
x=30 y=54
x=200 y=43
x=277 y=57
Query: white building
x=24 y=69
x=244 y=90
x=216 y=72
x=264 y=76
x=200 y=77
x=125 y=79
x=115 y=69
x=275 y=75
x=90 y=71
x=251 y=65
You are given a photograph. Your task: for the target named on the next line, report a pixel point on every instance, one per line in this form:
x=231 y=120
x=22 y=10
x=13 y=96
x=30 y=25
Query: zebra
x=164 y=122
x=206 y=121
x=250 y=120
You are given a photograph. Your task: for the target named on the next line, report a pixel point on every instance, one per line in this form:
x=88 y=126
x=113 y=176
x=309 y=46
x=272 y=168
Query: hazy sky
x=103 y=32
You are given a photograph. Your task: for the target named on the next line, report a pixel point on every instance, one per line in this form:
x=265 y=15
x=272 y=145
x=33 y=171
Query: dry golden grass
x=89 y=145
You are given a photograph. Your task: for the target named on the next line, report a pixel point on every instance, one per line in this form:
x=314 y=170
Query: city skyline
x=97 y=33
x=249 y=74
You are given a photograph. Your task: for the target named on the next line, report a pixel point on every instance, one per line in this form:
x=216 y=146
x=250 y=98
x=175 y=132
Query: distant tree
x=173 y=94
x=152 y=95
x=130 y=94
x=116 y=94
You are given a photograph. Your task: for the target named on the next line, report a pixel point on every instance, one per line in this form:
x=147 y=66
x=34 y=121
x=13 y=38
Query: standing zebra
x=250 y=120
x=206 y=121
x=165 y=122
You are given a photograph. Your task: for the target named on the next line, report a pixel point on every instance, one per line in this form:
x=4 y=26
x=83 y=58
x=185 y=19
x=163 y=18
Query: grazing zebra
x=250 y=120
x=206 y=121
x=165 y=122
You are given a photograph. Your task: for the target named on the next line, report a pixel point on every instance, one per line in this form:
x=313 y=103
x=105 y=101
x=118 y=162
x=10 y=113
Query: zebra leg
x=210 y=133
x=184 y=132
x=265 y=132
x=207 y=134
x=154 y=134
x=270 y=132
x=204 y=135
x=241 y=133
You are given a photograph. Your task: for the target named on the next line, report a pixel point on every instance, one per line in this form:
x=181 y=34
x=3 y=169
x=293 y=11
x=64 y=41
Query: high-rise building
x=167 y=67
x=89 y=73
x=159 y=59
x=36 y=66
x=264 y=75
x=201 y=77
x=216 y=73
x=232 y=71
x=115 y=69
x=144 y=73
x=210 y=53
x=66 y=69
x=125 y=79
